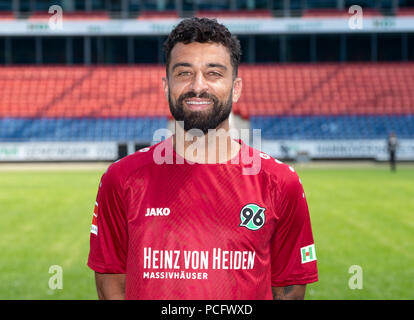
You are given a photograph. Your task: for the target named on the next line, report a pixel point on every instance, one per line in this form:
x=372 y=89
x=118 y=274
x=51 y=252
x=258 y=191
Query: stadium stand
x=335 y=13
x=154 y=15
x=334 y=127
x=80 y=129
x=301 y=101
x=405 y=12
x=76 y=15
x=6 y=15
x=237 y=14
x=330 y=89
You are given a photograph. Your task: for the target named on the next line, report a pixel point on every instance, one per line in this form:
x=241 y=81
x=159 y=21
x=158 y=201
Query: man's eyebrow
x=217 y=65
x=181 y=64
x=187 y=64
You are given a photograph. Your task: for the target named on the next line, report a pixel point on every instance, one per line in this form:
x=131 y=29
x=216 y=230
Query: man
x=201 y=227
x=392 y=144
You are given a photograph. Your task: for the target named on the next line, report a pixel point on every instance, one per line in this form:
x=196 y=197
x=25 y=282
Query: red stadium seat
x=6 y=15
x=405 y=12
x=235 y=13
x=326 y=13
x=297 y=89
x=149 y=15
x=76 y=15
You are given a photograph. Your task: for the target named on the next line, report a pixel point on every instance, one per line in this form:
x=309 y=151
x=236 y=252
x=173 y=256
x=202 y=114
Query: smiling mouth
x=198 y=104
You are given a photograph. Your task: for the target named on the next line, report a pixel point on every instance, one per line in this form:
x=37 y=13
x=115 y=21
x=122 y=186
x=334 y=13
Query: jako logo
x=157 y=212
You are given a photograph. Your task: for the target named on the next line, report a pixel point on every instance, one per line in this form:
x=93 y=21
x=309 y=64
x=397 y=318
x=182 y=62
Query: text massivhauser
x=187 y=264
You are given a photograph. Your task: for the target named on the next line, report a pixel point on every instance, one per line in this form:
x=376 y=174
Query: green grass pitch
x=360 y=216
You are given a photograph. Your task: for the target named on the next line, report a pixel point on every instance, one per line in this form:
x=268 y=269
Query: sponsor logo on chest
x=156 y=212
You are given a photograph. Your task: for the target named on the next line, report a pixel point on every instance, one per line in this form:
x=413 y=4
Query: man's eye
x=216 y=74
x=184 y=73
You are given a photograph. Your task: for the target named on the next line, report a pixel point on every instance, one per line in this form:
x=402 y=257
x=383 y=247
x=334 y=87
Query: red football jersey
x=202 y=231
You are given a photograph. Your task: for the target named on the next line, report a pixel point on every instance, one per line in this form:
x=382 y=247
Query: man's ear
x=165 y=86
x=237 y=89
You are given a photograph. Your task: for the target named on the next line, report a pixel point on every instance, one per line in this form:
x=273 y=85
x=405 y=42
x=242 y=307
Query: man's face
x=200 y=87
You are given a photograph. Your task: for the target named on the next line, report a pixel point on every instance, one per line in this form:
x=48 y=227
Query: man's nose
x=199 y=83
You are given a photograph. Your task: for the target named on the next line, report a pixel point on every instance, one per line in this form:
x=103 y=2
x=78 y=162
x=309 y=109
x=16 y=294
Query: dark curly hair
x=203 y=30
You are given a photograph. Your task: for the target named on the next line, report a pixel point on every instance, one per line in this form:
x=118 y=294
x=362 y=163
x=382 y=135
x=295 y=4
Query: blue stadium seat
x=84 y=129
x=334 y=127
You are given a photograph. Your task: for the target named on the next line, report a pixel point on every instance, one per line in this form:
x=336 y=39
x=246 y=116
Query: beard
x=203 y=119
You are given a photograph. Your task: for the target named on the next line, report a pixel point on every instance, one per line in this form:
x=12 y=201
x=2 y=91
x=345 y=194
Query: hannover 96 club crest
x=252 y=216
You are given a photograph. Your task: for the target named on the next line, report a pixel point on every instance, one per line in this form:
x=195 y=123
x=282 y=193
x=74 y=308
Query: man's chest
x=203 y=214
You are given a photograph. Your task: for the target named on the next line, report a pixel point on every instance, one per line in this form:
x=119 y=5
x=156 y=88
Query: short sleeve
x=109 y=233
x=293 y=250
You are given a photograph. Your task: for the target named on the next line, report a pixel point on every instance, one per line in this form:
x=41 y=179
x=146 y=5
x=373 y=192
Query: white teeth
x=195 y=102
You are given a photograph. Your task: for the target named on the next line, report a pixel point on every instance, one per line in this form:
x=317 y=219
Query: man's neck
x=216 y=146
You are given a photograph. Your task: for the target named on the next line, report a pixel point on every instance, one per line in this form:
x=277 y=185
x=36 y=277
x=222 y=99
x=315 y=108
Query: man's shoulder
x=275 y=168
x=128 y=165
x=282 y=176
